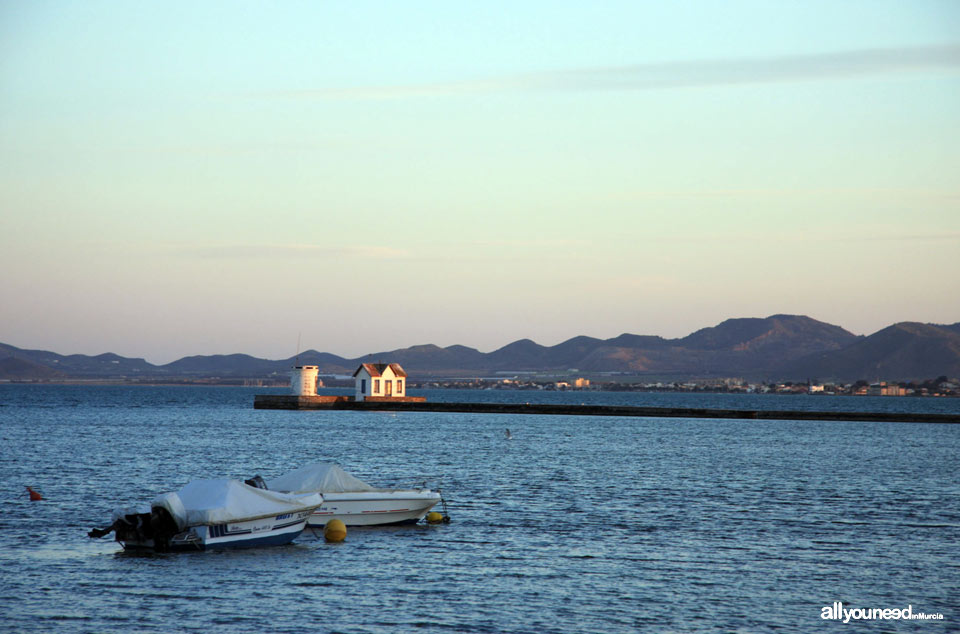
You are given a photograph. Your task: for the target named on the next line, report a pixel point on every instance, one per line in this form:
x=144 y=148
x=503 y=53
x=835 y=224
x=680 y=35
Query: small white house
x=380 y=380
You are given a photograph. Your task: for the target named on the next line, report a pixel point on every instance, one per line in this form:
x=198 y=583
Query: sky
x=182 y=178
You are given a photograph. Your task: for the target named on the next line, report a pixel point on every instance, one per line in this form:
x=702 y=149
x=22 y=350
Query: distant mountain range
x=779 y=347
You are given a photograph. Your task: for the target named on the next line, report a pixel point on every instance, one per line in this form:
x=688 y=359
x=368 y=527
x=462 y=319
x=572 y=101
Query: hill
x=901 y=352
x=740 y=347
x=101 y=365
x=15 y=369
x=779 y=347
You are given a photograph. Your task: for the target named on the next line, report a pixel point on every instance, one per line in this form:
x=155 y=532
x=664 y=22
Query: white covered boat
x=208 y=514
x=353 y=501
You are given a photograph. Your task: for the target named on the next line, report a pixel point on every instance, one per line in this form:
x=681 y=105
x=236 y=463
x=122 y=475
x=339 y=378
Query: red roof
x=376 y=369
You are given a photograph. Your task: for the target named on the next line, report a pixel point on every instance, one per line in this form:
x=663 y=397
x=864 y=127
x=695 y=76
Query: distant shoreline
x=254 y=383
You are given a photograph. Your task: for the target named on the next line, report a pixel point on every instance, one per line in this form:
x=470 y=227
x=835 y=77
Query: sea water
x=576 y=524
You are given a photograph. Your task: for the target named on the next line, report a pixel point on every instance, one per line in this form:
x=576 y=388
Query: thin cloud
x=945 y=236
x=804 y=237
x=681 y=74
x=226 y=150
x=881 y=193
x=841 y=65
x=243 y=251
x=533 y=243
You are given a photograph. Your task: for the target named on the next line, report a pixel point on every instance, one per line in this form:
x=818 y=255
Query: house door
x=388 y=386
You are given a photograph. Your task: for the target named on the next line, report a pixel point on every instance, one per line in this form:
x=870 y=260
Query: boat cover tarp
x=222 y=501
x=325 y=478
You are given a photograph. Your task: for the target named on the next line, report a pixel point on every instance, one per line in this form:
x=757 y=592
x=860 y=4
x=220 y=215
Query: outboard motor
x=256 y=482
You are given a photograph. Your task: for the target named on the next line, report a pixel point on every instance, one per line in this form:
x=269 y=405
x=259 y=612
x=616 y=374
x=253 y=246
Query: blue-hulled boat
x=213 y=514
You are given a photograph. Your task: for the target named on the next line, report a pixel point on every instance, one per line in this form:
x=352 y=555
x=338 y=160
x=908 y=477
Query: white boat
x=353 y=501
x=213 y=514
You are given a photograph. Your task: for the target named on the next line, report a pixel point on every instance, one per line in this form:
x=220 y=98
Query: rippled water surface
x=578 y=524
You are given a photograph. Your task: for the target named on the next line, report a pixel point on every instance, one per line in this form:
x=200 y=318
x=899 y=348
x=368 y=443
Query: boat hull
x=374 y=508
x=268 y=531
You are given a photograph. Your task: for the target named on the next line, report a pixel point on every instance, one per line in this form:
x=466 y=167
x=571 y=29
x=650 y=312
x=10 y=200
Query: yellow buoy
x=334 y=531
x=434 y=518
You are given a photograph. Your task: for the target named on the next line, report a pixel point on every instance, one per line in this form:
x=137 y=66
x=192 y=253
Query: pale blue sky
x=197 y=178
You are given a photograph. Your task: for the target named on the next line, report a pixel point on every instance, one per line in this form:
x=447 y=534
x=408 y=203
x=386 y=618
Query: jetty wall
x=419 y=404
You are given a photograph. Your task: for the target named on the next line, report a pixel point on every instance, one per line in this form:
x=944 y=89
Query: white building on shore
x=303 y=380
x=380 y=380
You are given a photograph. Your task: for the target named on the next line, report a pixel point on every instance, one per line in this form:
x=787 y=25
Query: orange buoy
x=34 y=496
x=335 y=531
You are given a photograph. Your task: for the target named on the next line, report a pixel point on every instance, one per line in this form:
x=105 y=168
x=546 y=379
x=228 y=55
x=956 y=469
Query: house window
x=399 y=386
x=363 y=386
x=376 y=386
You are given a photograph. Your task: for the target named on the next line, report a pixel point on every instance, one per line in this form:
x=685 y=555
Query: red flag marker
x=34 y=496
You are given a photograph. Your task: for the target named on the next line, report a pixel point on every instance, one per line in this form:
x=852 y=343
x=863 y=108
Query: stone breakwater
x=419 y=404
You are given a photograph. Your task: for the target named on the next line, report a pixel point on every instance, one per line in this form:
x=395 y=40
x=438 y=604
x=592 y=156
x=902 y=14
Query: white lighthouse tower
x=303 y=380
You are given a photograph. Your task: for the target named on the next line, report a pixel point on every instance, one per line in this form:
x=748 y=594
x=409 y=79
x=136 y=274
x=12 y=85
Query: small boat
x=353 y=501
x=213 y=514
